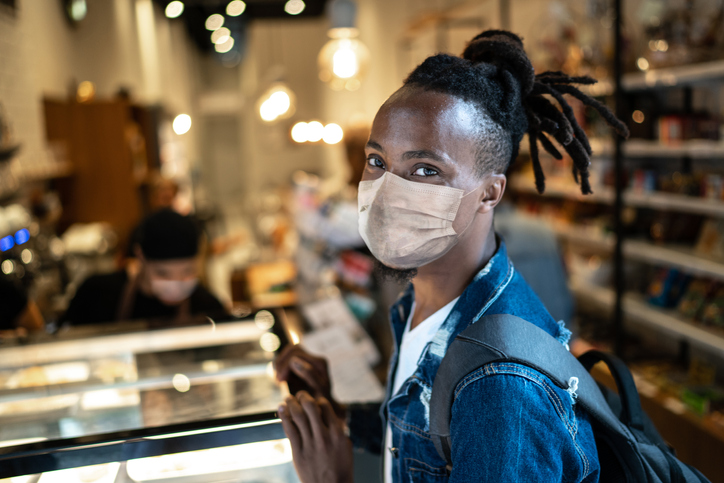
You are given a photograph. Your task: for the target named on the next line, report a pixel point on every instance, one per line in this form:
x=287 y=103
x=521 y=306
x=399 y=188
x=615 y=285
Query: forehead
x=419 y=119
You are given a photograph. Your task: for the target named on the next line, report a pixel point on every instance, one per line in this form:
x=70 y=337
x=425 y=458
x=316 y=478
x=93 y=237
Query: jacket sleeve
x=515 y=426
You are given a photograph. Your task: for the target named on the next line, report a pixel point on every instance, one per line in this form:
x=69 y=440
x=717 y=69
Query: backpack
x=629 y=447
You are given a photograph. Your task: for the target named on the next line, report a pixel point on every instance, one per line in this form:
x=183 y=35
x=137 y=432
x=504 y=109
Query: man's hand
x=312 y=370
x=322 y=452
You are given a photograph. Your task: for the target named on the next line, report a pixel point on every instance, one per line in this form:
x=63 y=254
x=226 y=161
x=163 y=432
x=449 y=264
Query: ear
x=494 y=189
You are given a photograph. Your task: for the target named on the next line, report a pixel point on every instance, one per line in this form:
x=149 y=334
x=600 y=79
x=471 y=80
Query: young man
x=436 y=158
x=163 y=286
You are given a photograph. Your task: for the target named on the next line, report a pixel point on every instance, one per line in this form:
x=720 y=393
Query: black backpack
x=629 y=447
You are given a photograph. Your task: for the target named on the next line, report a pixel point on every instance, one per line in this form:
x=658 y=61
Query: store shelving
x=636 y=310
x=605 y=195
x=695 y=148
x=681 y=257
x=674 y=76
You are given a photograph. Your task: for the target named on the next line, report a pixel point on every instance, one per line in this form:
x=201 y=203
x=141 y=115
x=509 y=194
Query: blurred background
x=250 y=118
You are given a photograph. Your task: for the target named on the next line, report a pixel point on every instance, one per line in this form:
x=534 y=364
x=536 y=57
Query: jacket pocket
x=419 y=472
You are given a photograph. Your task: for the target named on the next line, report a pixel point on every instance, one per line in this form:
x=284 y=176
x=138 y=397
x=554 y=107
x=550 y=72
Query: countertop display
x=88 y=398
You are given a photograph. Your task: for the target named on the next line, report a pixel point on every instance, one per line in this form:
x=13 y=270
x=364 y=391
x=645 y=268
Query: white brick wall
x=18 y=93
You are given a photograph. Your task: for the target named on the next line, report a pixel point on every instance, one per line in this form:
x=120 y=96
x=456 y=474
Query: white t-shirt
x=411 y=347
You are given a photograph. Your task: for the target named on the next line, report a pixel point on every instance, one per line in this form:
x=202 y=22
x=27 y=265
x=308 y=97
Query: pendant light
x=343 y=60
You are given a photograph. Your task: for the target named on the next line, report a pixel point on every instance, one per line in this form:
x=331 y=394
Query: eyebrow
x=424 y=154
x=374 y=145
x=418 y=154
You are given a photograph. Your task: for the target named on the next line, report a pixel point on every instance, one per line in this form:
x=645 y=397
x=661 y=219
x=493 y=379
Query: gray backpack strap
x=509 y=338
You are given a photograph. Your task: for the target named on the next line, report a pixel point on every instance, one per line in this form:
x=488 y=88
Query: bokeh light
x=270 y=342
x=221 y=35
x=315 y=131
x=226 y=46
x=333 y=133
x=264 y=320
x=174 y=9
x=235 y=8
x=182 y=124
x=294 y=7
x=181 y=382
x=22 y=236
x=214 y=22
x=7 y=243
x=299 y=132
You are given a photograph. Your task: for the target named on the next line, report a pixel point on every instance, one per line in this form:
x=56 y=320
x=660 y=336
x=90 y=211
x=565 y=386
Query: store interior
x=251 y=117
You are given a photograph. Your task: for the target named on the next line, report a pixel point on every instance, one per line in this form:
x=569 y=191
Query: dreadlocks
x=495 y=74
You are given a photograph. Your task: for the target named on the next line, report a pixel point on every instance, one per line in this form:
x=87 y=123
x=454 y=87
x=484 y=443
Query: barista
x=163 y=285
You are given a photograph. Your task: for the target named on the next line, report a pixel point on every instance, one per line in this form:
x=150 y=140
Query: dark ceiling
x=197 y=11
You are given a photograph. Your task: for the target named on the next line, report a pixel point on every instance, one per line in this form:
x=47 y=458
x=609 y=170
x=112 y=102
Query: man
x=435 y=161
x=163 y=285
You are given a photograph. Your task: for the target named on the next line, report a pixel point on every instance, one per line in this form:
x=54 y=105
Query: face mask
x=172 y=292
x=407 y=224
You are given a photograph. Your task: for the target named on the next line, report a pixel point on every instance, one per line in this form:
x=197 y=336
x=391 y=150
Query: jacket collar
x=480 y=294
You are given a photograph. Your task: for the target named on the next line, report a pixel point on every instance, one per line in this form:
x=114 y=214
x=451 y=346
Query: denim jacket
x=509 y=423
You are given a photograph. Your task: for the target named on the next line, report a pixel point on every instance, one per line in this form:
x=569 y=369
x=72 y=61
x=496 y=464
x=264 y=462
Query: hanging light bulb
x=276 y=103
x=343 y=59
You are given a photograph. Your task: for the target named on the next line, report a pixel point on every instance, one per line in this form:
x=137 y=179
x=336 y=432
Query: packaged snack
x=693 y=300
x=667 y=288
x=713 y=312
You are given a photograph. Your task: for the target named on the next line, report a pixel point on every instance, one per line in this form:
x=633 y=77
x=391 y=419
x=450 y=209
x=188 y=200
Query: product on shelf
x=713 y=311
x=667 y=288
x=711 y=239
x=694 y=298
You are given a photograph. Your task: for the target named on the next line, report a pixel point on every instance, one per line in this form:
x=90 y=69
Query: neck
x=440 y=282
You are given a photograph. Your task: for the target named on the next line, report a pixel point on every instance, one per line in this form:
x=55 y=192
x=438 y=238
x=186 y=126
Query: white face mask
x=407 y=224
x=172 y=292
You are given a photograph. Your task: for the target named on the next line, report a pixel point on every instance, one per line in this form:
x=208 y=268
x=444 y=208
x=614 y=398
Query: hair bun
x=505 y=49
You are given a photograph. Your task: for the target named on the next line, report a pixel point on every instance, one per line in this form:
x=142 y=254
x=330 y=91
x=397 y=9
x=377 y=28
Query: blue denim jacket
x=509 y=423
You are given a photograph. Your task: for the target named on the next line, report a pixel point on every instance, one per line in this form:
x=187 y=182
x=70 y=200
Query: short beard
x=390 y=274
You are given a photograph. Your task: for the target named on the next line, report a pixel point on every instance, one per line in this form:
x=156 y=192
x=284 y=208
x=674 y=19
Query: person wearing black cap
x=164 y=285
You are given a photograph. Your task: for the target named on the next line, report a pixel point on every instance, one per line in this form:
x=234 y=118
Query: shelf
x=638 y=311
x=683 y=258
x=605 y=195
x=674 y=202
x=674 y=76
x=565 y=189
x=695 y=148
x=582 y=236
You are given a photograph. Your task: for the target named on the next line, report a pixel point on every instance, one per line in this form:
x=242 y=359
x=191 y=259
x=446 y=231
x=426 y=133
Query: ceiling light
x=276 y=103
x=343 y=59
x=235 y=8
x=214 y=22
x=315 y=131
x=182 y=124
x=333 y=133
x=174 y=9
x=294 y=7
x=299 y=132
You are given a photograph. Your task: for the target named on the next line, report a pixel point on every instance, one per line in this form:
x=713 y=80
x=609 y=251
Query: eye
x=375 y=162
x=425 y=171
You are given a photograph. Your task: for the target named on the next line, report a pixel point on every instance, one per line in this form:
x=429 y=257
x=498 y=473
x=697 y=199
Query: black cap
x=168 y=235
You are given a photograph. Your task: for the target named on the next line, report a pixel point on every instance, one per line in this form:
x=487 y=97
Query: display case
x=128 y=402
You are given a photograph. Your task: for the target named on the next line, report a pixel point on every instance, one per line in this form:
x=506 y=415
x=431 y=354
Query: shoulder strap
x=509 y=338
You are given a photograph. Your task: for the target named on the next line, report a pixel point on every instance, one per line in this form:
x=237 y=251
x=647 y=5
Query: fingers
x=308 y=373
x=329 y=416
x=314 y=416
x=290 y=429
x=299 y=418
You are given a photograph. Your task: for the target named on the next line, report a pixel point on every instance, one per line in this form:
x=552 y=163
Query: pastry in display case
x=147 y=405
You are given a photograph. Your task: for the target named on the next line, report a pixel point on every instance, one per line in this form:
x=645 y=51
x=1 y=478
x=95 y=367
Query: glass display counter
x=122 y=403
